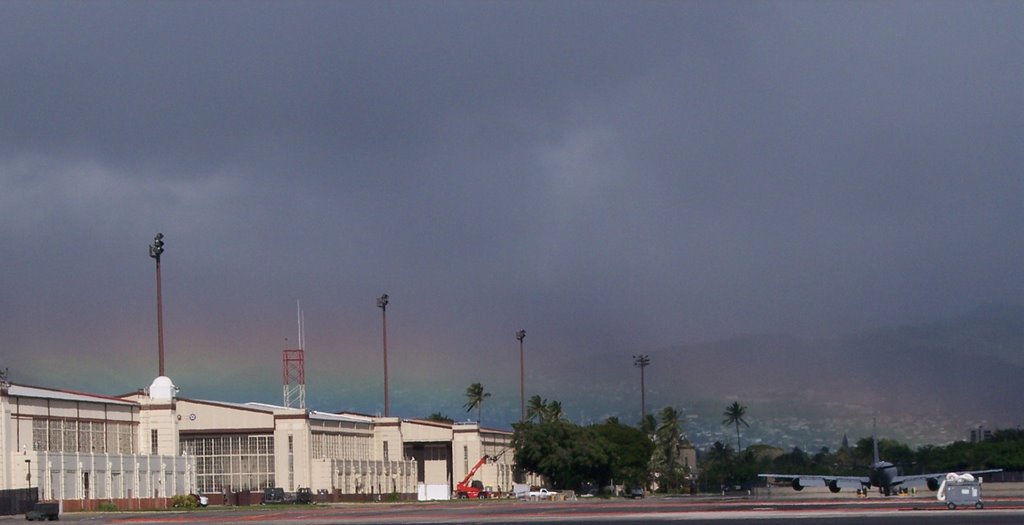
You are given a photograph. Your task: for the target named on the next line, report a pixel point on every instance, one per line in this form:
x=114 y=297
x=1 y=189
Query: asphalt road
x=661 y=510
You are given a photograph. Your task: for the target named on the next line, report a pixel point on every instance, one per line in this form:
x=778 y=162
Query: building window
x=239 y=461
x=40 y=436
x=465 y=459
x=341 y=446
x=153 y=442
x=291 y=464
x=126 y=435
x=385 y=451
x=62 y=435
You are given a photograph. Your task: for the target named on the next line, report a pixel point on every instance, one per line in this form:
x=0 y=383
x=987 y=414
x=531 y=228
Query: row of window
x=229 y=444
x=235 y=462
x=428 y=452
x=70 y=435
x=339 y=446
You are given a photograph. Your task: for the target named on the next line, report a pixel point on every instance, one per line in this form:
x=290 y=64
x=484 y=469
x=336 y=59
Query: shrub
x=184 y=501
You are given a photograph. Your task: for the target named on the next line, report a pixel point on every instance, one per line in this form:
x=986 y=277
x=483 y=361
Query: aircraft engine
x=833 y=486
x=933 y=484
x=797 y=485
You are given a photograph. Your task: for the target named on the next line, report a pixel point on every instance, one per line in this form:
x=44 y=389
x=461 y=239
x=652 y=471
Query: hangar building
x=156 y=444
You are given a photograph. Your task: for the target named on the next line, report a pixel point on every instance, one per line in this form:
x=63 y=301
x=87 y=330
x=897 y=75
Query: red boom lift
x=475 y=490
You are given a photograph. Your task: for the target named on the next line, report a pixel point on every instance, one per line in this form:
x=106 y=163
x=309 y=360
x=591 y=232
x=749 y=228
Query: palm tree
x=648 y=425
x=670 y=429
x=668 y=437
x=476 y=395
x=554 y=412
x=536 y=408
x=542 y=410
x=734 y=416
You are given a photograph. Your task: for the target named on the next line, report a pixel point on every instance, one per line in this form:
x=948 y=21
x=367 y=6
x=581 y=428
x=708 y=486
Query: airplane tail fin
x=874 y=437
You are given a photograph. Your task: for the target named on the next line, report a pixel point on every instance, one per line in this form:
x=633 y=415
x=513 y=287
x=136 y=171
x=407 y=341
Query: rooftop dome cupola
x=162 y=389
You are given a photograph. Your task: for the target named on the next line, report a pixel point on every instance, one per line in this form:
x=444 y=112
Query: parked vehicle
x=43 y=511
x=542 y=494
x=273 y=495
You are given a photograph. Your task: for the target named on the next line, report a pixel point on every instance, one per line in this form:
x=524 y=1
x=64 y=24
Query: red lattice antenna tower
x=294 y=376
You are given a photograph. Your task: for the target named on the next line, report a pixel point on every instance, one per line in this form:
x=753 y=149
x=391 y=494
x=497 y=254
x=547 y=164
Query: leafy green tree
x=566 y=454
x=631 y=451
x=888 y=449
x=718 y=465
x=734 y=416
x=439 y=417
x=721 y=466
x=720 y=452
x=475 y=395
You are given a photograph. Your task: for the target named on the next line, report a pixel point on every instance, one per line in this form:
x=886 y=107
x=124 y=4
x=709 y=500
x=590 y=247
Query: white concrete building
x=77 y=446
x=155 y=444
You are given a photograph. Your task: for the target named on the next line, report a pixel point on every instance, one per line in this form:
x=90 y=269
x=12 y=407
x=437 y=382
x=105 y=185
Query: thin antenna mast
x=294 y=361
x=302 y=335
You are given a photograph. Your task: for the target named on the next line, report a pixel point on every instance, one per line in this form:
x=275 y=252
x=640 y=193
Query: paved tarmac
x=692 y=511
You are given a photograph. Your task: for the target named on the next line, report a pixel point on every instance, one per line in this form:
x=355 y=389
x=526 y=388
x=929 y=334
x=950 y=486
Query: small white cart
x=960 y=491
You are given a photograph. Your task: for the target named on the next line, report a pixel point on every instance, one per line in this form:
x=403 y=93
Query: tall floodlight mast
x=641 y=362
x=520 y=335
x=155 y=250
x=382 y=303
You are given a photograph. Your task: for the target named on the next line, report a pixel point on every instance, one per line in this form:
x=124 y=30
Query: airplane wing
x=799 y=481
x=934 y=478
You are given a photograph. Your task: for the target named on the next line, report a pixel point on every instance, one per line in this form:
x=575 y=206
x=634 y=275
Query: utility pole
x=382 y=303
x=641 y=362
x=155 y=250
x=520 y=335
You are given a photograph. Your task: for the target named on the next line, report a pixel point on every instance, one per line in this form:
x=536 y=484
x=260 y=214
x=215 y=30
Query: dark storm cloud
x=609 y=175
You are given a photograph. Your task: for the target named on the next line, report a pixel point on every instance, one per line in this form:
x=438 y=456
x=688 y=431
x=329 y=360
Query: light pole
x=641 y=361
x=155 y=250
x=382 y=303
x=520 y=335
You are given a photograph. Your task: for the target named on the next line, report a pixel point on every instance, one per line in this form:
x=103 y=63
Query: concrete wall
x=7 y=447
x=364 y=477
x=292 y=454
x=80 y=476
x=387 y=435
x=425 y=431
x=200 y=416
x=160 y=418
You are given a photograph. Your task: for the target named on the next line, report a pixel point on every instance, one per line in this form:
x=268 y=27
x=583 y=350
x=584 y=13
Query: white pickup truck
x=542 y=494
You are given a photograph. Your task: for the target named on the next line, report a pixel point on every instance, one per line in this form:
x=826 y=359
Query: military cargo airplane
x=883 y=475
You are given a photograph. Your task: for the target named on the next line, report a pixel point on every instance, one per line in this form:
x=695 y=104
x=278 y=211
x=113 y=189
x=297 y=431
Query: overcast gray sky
x=609 y=176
